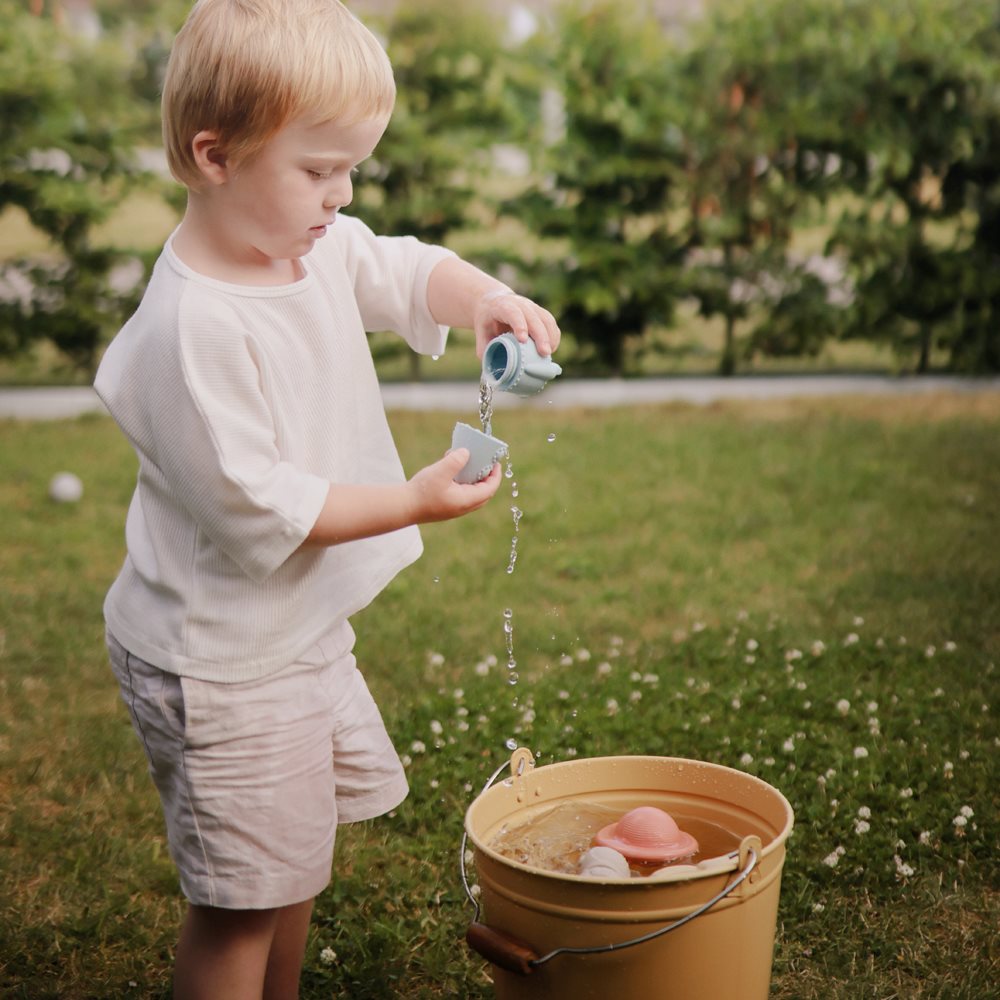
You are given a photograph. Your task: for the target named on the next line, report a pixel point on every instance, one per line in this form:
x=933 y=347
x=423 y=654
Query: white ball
x=65 y=487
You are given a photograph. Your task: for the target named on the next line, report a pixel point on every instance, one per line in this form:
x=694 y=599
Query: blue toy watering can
x=517 y=368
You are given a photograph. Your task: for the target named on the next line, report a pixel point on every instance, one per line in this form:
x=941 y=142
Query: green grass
x=726 y=577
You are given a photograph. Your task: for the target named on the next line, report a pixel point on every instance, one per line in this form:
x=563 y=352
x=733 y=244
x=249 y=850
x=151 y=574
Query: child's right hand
x=437 y=497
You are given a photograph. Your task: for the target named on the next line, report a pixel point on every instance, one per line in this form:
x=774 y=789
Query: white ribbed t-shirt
x=243 y=403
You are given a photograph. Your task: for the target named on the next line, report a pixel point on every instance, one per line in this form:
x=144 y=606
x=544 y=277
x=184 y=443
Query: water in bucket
x=555 y=840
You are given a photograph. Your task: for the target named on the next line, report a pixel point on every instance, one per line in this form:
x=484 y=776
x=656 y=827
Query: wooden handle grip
x=501 y=949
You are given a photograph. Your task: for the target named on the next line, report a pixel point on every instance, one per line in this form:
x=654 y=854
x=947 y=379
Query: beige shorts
x=255 y=776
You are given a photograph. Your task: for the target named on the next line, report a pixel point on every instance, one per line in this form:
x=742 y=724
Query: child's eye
x=318 y=174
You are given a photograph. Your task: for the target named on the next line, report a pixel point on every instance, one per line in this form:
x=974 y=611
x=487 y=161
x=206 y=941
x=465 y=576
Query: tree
x=453 y=104
x=606 y=178
x=757 y=151
x=64 y=160
x=924 y=102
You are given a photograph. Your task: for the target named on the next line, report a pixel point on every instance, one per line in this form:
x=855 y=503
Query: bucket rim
x=710 y=868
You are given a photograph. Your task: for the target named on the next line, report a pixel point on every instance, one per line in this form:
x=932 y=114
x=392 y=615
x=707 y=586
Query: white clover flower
x=458 y=694
x=475 y=891
x=435 y=659
x=736 y=704
x=690 y=682
x=950 y=647
x=482 y=668
x=635 y=696
x=862 y=826
x=960 y=822
x=650 y=679
x=860 y=753
x=752 y=645
x=949 y=769
x=746 y=759
x=435 y=783
x=603 y=669
x=963 y=755
x=906 y=793
x=872 y=707
x=462 y=726
x=925 y=837
x=833 y=858
x=742 y=615
x=749 y=659
x=930 y=651
x=843 y=706
x=788 y=746
x=563 y=695
x=864 y=813
x=612 y=706
x=768 y=761
x=583 y=655
x=436 y=728
x=851 y=639
x=858 y=621
x=571 y=752
x=818 y=648
x=418 y=746
x=903 y=870
x=565 y=660
x=967 y=812
x=818 y=907
x=328 y=956
x=698 y=627
x=406 y=760
x=616 y=640
x=635 y=677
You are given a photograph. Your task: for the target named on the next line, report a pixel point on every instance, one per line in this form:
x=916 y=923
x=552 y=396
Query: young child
x=271 y=504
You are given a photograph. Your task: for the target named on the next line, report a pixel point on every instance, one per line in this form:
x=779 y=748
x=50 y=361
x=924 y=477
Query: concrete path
x=462 y=397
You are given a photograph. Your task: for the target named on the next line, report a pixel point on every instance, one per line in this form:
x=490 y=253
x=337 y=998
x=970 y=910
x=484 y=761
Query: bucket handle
x=513 y=955
x=507 y=952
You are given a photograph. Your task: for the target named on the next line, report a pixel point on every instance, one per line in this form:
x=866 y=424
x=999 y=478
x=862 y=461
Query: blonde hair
x=246 y=68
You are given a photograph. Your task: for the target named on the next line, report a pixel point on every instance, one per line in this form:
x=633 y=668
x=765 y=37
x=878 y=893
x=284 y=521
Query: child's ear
x=210 y=157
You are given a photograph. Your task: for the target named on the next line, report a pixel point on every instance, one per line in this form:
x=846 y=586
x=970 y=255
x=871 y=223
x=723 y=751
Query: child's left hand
x=499 y=312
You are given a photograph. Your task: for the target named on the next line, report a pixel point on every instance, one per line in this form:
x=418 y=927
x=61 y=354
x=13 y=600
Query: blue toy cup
x=484 y=452
x=517 y=368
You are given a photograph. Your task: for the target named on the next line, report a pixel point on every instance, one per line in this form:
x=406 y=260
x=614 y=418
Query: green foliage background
x=663 y=169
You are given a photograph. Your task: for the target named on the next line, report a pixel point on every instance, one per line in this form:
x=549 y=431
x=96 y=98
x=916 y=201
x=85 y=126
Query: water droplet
x=435 y=357
x=508 y=613
x=511 y=663
x=512 y=678
x=511 y=744
x=551 y=438
x=437 y=579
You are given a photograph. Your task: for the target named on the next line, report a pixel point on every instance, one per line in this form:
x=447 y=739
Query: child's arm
x=357 y=511
x=459 y=294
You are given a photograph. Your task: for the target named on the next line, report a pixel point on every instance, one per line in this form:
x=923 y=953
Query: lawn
x=809 y=591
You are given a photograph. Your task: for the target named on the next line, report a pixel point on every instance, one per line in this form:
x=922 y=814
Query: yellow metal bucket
x=701 y=933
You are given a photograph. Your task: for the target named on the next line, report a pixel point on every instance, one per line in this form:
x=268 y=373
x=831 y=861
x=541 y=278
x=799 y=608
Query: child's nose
x=340 y=193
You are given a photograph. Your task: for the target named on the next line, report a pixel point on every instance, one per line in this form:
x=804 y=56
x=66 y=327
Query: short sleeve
x=390 y=275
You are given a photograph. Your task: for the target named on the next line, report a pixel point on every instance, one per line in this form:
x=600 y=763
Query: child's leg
x=288 y=946
x=241 y=954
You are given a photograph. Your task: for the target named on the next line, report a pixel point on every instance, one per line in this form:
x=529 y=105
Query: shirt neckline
x=232 y=288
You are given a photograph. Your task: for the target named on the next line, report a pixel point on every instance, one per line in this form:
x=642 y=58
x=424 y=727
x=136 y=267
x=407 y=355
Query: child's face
x=283 y=200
